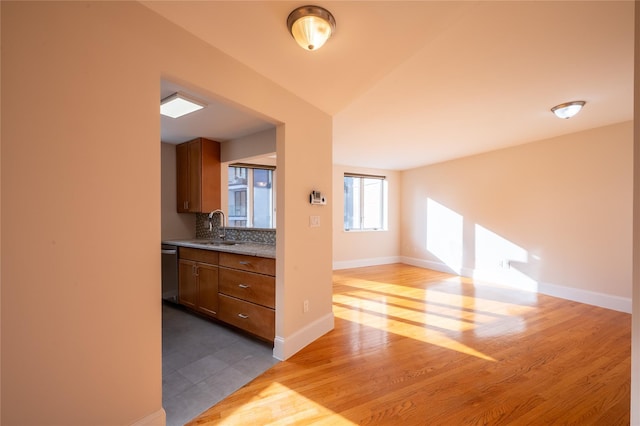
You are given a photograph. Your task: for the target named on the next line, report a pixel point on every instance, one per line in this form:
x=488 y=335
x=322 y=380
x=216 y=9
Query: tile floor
x=203 y=362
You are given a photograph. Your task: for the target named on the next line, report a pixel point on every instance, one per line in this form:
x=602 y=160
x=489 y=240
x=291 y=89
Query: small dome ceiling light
x=567 y=109
x=311 y=26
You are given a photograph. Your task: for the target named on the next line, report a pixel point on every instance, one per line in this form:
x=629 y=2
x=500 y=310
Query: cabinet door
x=208 y=289
x=198 y=176
x=195 y=176
x=182 y=178
x=210 y=183
x=187 y=284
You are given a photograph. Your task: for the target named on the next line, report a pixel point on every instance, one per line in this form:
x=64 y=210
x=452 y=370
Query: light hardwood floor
x=418 y=347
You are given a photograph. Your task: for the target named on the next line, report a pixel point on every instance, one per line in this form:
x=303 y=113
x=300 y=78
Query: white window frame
x=384 y=195
x=250 y=188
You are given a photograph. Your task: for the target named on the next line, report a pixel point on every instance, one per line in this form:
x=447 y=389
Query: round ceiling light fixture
x=567 y=109
x=311 y=26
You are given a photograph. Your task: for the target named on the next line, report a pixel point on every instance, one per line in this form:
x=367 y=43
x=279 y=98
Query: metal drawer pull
x=244 y=285
x=244 y=262
x=243 y=316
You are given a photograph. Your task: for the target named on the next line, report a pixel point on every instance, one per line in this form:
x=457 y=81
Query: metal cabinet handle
x=244 y=285
x=168 y=251
x=195 y=270
x=243 y=316
x=244 y=262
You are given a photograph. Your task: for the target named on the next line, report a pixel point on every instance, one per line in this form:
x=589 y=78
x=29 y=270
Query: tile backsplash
x=255 y=235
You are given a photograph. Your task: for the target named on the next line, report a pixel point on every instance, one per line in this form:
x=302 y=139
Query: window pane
x=237 y=184
x=240 y=203
x=365 y=203
x=251 y=197
x=351 y=203
x=372 y=203
x=262 y=198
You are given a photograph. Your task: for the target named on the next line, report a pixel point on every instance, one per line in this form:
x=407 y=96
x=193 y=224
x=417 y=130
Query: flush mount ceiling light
x=311 y=26
x=568 y=109
x=178 y=104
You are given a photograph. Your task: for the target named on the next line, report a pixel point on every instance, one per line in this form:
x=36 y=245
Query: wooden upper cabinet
x=198 y=176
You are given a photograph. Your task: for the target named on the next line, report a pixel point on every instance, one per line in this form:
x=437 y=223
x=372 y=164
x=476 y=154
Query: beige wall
x=174 y=225
x=356 y=249
x=0 y=238
x=559 y=211
x=244 y=149
x=256 y=144
x=635 y=317
x=81 y=341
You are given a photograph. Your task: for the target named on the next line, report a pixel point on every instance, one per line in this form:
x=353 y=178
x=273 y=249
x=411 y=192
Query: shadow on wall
x=470 y=249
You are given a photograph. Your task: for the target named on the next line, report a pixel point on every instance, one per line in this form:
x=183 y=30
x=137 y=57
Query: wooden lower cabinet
x=254 y=288
x=207 y=289
x=247 y=293
x=198 y=281
x=233 y=288
x=187 y=283
x=242 y=262
x=248 y=316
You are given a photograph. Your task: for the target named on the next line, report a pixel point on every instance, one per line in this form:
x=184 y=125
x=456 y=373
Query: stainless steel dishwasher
x=170 y=273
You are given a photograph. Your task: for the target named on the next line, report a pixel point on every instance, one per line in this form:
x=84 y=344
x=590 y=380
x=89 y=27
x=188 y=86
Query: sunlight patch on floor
x=465 y=297
x=287 y=406
x=415 y=314
x=403 y=328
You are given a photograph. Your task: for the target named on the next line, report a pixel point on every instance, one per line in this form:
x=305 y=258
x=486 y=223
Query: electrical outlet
x=305 y=306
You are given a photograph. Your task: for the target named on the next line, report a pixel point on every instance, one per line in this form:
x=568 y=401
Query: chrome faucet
x=222 y=224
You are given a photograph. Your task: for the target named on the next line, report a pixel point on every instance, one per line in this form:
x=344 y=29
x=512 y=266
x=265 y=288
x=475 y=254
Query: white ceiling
x=419 y=82
x=218 y=121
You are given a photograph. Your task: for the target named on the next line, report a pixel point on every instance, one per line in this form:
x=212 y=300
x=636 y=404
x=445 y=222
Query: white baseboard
x=284 y=348
x=157 y=418
x=603 y=300
x=359 y=263
x=427 y=264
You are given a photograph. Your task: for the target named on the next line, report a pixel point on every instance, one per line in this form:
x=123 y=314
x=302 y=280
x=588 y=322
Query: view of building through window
x=364 y=202
x=251 y=197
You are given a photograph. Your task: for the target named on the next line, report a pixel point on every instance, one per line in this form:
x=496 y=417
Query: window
x=251 y=196
x=365 y=202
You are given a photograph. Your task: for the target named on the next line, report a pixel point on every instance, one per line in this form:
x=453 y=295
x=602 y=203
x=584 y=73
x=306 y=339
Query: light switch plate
x=314 y=221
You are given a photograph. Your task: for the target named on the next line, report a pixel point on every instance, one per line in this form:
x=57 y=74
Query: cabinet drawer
x=256 y=288
x=248 y=316
x=204 y=256
x=261 y=265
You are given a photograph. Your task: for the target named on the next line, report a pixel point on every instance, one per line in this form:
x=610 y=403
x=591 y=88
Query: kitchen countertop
x=242 y=247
